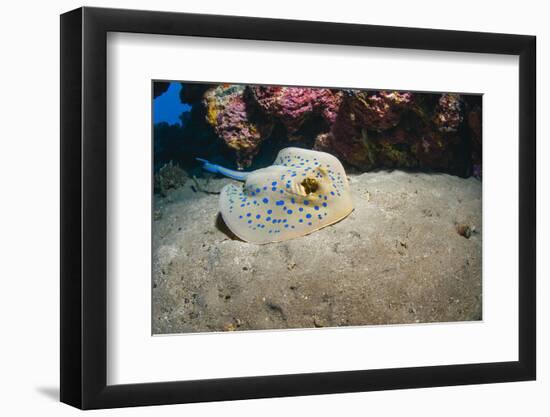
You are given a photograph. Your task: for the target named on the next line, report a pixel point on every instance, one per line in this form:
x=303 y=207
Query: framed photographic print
x=257 y=207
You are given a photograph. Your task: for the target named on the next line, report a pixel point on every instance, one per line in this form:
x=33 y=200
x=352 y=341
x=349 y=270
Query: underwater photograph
x=297 y=207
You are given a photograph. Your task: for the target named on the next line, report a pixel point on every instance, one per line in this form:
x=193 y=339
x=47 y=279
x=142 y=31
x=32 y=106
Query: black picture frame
x=84 y=207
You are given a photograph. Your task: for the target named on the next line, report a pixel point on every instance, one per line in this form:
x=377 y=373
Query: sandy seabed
x=410 y=252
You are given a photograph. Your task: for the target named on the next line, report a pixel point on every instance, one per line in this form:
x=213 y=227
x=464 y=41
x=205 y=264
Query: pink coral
x=292 y=105
x=227 y=113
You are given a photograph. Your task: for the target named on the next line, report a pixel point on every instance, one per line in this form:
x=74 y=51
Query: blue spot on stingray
x=308 y=216
x=284 y=221
x=252 y=193
x=279 y=221
x=268 y=219
x=242 y=205
x=286 y=225
x=289 y=211
x=265 y=188
x=292 y=200
x=248 y=214
x=324 y=204
x=265 y=200
x=257 y=190
x=301 y=220
x=274 y=183
x=250 y=221
x=258 y=216
x=281 y=191
x=280 y=202
x=332 y=192
x=269 y=211
x=274 y=221
x=240 y=217
x=306 y=202
x=288 y=186
x=316 y=207
x=301 y=209
x=273 y=189
x=309 y=224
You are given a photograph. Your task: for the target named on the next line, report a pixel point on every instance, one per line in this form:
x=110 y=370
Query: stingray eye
x=310 y=185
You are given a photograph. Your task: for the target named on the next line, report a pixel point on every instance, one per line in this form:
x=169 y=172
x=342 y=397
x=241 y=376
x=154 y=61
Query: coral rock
x=293 y=105
x=356 y=130
x=434 y=150
x=233 y=121
x=379 y=110
x=367 y=129
x=397 y=130
x=347 y=140
x=448 y=113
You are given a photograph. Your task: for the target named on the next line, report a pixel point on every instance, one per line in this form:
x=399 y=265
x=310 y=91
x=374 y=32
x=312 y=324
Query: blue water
x=167 y=107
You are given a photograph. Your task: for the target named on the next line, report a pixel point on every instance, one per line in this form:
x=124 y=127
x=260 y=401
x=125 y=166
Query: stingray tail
x=217 y=169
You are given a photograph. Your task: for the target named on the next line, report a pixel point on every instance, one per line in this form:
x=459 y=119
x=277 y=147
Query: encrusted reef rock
x=233 y=121
x=399 y=130
x=448 y=113
x=293 y=105
x=362 y=133
x=243 y=117
x=379 y=110
x=435 y=150
x=367 y=129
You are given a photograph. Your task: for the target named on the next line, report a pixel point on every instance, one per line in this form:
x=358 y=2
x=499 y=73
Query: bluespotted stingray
x=303 y=191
